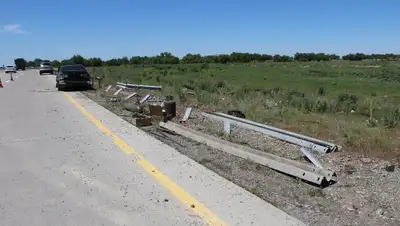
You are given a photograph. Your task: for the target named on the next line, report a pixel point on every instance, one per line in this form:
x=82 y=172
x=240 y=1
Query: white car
x=45 y=67
x=10 y=69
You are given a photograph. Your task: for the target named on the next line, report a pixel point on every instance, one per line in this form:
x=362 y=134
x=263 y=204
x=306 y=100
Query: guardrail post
x=227 y=127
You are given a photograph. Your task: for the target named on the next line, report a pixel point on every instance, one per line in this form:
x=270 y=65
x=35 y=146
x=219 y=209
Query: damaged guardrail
x=137 y=86
x=290 y=137
x=306 y=172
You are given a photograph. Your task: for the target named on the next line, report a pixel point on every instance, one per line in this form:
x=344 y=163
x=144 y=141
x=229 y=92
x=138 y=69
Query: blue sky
x=59 y=29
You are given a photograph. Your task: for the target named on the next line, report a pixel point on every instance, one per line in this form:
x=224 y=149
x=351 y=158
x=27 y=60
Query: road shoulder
x=231 y=203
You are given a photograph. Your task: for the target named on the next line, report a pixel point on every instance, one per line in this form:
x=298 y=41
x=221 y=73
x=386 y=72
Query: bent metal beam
x=306 y=172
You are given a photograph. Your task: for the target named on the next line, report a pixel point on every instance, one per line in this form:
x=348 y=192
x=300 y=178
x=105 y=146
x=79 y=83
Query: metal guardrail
x=306 y=172
x=136 y=86
x=290 y=137
x=146 y=98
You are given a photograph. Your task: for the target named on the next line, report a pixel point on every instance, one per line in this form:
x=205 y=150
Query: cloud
x=14 y=28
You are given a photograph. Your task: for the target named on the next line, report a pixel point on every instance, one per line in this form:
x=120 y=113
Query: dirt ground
x=367 y=191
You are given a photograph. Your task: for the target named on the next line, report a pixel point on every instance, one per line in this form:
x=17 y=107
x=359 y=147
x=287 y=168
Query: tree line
x=235 y=57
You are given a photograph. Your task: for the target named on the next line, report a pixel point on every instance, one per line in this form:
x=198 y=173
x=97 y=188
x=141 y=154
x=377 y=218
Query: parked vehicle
x=20 y=64
x=73 y=76
x=10 y=69
x=45 y=67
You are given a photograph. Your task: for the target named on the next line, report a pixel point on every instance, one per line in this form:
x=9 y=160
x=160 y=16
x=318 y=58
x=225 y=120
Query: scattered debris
x=99 y=79
x=117 y=92
x=142 y=121
x=145 y=98
x=170 y=109
x=156 y=99
x=237 y=113
x=130 y=96
x=312 y=158
x=115 y=99
x=156 y=110
x=186 y=116
x=108 y=88
x=390 y=168
x=227 y=128
x=132 y=107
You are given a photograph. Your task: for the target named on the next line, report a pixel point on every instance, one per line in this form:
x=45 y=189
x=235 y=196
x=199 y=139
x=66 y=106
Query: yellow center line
x=185 y=198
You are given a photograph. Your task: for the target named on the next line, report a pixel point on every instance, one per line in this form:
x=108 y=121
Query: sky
x=108 y=29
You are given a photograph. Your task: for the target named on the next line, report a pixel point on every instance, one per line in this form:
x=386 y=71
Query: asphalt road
x=64 y=160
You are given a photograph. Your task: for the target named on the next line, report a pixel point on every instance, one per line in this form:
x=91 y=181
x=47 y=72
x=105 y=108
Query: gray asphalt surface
x=58 y=168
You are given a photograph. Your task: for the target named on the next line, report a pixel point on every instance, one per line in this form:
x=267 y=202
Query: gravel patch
x=366 y=193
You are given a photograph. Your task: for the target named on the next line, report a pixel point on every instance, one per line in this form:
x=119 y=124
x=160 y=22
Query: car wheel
x=40 y=73
x=60 y=88
x=56 y=84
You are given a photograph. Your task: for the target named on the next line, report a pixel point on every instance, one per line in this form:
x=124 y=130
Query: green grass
x=355 y=104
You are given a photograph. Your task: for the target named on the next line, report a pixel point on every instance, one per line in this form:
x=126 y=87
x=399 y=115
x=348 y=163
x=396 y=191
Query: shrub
x=345 y=102
x=392 y=117
x=205 y=66
x=321 y=106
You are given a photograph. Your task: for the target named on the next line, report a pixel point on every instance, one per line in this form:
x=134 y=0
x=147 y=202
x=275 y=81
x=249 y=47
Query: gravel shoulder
x=366 y=193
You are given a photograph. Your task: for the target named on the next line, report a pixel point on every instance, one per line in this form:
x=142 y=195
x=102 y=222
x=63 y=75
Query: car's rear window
x=73 y=67
x=9 y=66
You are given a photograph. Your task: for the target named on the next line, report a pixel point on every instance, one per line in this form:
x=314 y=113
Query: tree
x=234 y=57
x=277 y=58
x=124 y=60
x=37 y=61
x=191 y=58
x=77 y=59
x=56 y=63
x=96 y=62
x=30 y=64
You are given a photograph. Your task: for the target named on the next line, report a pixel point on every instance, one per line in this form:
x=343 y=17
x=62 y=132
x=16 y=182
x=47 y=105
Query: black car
x=73 y=76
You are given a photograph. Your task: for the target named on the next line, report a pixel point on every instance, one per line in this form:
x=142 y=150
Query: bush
x=344 y=97
x=346 y=102
x=190 y=84
x=321 y=106
x=205 y=66
x=392 y=117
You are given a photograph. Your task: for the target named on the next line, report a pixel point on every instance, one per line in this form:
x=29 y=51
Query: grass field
x=355 y=104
